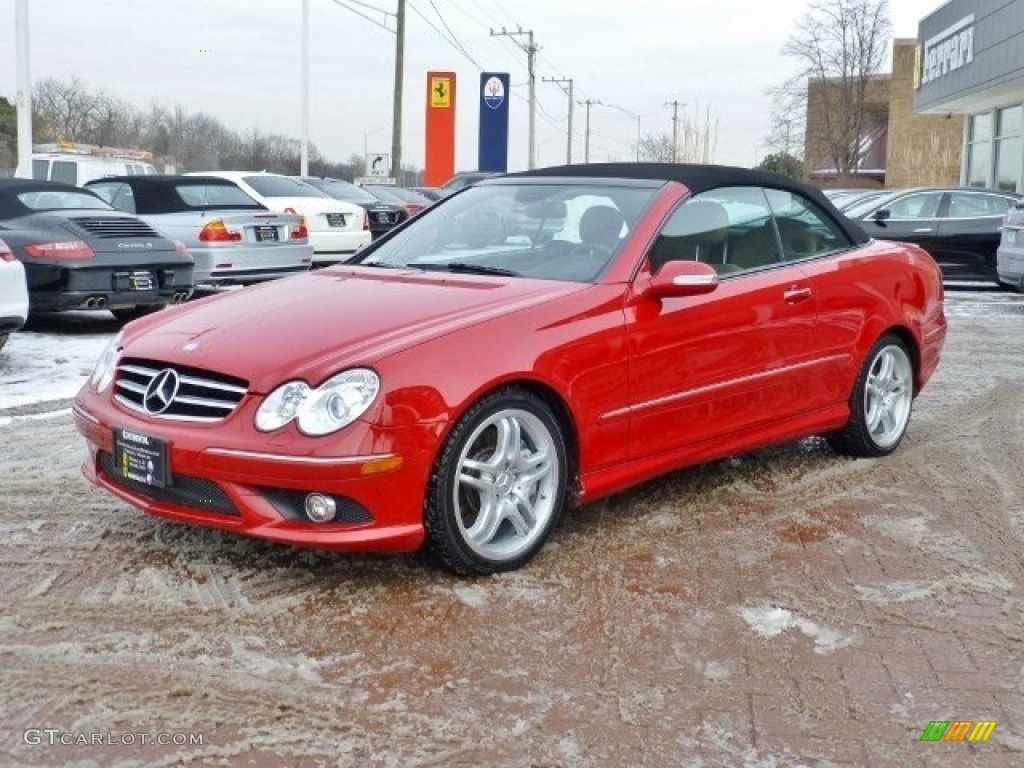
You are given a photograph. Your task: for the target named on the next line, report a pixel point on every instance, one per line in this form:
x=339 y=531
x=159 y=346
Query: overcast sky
x=239 y=60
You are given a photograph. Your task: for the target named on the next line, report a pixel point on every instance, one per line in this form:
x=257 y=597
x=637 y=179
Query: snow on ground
x=52 y=358
x=769 y=621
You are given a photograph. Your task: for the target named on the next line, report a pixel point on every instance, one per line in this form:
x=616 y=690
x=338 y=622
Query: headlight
x=334 y=404
x=103 y=373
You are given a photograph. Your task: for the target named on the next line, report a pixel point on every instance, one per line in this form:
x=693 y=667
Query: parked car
x=846 y=202
x=1010 y=256
x=413 y=201
x=233 y=239
x=459 y=387
x=13 y=293
x=958 y=226
x=431 y=193
x=462 y=180
x=337 y=229
x=383 y=215
x=80 y=253
x=75 y=164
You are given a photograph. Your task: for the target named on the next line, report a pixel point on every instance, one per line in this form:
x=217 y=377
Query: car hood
x=312 y=326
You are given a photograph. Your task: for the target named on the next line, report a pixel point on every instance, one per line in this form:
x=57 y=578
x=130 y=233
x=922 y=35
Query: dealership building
x=970 y=62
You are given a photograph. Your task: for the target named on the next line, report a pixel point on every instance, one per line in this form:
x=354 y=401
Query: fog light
x=320 y=508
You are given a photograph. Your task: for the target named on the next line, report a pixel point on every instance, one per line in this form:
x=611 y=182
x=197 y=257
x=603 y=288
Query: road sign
x=361 y=180
x=378 y=164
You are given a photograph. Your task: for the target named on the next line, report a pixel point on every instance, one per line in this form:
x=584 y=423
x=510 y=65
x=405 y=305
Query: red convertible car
x=533 y=342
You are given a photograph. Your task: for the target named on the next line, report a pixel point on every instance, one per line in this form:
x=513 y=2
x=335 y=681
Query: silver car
x=233 y=239
x=1010 y=256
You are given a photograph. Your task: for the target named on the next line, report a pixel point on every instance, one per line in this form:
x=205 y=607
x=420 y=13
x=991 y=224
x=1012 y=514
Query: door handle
x=922 y=230
x=795 y=294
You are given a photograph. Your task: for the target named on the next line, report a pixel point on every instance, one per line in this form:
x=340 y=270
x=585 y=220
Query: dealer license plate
x=141 y=281
x=336 y=219
x=142 y=458
x=266 y=234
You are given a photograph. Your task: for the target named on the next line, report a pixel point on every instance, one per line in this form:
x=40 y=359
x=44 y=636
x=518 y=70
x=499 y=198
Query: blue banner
x=494 y=96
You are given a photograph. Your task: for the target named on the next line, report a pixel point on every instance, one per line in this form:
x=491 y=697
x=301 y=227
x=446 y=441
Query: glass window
x=921 y=206
x=65 y=171
x=729 y=228
x=47 y=200
x=117 y=193
x=281 y=186
x=1009 y=121
x=569 y=232
x=209 y=195
x=342 y=190
x=981 y=127
x=972 y=205
x=40 y=169
x=804 y=229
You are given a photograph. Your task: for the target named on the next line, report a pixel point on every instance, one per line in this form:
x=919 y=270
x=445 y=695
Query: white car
x=336 y=229
x=76 y=164
x=13 y=294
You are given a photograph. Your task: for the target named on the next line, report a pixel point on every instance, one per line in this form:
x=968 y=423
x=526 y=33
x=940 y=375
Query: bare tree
x=656 y=148
x=839 y=46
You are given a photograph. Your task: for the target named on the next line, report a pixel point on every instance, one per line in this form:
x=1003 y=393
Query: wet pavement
x=781 y=608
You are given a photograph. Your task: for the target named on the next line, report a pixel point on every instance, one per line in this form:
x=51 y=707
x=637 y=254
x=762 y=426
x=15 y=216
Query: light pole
x=631 y=114
x=304 y=151
x=23 y=98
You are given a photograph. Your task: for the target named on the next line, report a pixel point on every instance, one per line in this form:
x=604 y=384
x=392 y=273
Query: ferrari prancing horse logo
x=441 y=92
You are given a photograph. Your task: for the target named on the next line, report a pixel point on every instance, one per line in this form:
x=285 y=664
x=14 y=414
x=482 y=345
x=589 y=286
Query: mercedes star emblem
x=161 y=391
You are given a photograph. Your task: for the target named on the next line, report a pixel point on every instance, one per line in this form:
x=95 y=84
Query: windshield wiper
x=473 y=269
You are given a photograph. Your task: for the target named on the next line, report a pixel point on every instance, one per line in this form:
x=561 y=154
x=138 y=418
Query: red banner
x=440 y=153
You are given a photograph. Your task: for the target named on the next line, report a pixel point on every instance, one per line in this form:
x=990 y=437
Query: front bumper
x=13 y=296
x=1010 y=265
x=229 y=476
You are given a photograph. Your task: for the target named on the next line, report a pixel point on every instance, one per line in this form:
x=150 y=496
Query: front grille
x=184 y=491
x=114 y=227
x=336 y=219
x=199 y=395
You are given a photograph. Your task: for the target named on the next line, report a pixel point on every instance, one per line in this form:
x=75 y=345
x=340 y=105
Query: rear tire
x=499 y=485
x=127 y=314
x=881 y=402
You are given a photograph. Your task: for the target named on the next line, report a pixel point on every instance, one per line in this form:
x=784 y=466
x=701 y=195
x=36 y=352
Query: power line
x=561 y=83
x=450 y=32
x=441 y=34
x=357 y=12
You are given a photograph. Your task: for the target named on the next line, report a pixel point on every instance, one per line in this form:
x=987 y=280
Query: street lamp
x=631 y=114
x=23 y=97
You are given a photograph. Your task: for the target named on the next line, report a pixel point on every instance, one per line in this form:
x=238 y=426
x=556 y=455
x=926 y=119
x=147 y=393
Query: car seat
x=699 y=231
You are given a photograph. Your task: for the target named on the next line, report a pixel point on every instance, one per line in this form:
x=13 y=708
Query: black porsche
x=80 y=253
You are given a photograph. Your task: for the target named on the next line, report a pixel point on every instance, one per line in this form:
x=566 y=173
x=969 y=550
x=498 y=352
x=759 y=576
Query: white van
x=78 y=163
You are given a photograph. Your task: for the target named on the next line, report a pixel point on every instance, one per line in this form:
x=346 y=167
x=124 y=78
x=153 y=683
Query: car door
x=970 y=232
x=703 y=367
x=912 y=218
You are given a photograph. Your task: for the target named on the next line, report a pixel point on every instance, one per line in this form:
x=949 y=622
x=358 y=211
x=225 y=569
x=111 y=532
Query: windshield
x=342 y=190
x=209 y=195
x=52 y=200
x=543 y=231
x=281 y=186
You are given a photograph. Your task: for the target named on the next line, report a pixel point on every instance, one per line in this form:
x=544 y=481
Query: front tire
x=498 y=486
x=881 y=402
x=127 y=314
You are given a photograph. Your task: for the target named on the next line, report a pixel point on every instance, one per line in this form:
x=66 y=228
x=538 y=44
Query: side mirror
x=881 y=215
x=682 y=278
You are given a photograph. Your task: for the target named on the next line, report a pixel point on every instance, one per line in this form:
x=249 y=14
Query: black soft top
x=701 y=178
x=11 y=207
x=156 y=193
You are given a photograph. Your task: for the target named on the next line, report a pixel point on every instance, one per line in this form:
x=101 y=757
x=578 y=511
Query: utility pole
x=304 y=150
x=23 y=96
x=675 y=127
x=561 y=83
x=396 y=105
x=586 y=136
x=531 y=54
